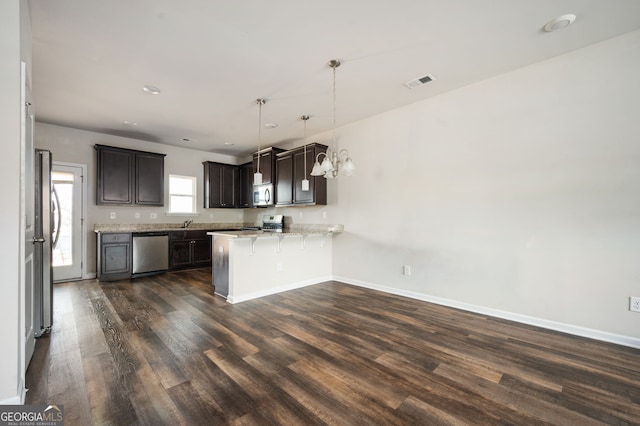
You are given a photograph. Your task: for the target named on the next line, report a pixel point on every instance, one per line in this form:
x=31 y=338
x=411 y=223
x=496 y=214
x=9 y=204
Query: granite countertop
x=227 y=229
x=144 y=227
x=302 y=230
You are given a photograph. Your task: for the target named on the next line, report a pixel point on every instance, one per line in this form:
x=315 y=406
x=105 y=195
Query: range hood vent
x=419 y=81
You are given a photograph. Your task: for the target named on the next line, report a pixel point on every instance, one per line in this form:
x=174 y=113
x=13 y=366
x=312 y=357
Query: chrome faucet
x=186 y=223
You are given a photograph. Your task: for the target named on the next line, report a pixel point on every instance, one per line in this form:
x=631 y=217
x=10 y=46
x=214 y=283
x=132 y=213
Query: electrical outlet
x=634 y=304
x=153 y=215
x=406 y=270
x=279 y=267
x=137 y=215
x=324 y=215
x=112 y=215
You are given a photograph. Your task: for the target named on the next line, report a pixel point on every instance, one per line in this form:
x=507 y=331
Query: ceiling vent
x=419 y=81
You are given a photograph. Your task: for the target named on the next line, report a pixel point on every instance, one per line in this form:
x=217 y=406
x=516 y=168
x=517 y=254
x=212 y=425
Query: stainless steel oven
x=270 y=223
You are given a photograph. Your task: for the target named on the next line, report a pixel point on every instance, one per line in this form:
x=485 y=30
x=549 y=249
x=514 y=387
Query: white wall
x=11 y=376
x=77 y=146
x=520 y=193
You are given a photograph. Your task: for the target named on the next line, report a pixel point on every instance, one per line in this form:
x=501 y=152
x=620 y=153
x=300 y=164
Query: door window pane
x=62 y=218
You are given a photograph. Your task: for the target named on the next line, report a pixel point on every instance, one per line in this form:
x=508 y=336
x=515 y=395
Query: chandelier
x=334 y=163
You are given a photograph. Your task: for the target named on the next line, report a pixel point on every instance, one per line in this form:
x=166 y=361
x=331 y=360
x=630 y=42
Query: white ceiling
x=213 y=58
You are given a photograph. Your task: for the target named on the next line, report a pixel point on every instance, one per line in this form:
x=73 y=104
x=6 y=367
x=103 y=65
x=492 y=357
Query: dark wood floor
x=164 y=350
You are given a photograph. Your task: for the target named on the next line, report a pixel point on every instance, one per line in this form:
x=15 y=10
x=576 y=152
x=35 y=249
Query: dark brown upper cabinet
x=284 y=179
x=246 y=185
x=221 y=185
x=290 y=171
x=149 y=179
x=129 y=177
x=267 y=163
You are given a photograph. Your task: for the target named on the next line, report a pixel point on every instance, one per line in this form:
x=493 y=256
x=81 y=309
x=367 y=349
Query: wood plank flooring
x=164 y=350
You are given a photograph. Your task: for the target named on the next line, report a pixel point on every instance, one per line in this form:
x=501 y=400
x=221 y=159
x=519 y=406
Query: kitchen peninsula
x=253 y=263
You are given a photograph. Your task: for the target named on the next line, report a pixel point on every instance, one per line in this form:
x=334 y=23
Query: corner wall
x=519 y=194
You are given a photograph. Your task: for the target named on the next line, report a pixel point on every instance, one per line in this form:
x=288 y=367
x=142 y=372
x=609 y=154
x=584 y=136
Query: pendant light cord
x=305 y=145
x=260 y=103
x=259 y=134
x=334 y=105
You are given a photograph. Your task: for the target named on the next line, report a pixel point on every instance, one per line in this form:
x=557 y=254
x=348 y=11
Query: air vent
x=419 y=81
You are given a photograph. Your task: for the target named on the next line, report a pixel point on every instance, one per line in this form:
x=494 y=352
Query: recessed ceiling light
x=229 y=144
x=270 y=125
x=130 y=123
x=560 y=22
x=153 y=90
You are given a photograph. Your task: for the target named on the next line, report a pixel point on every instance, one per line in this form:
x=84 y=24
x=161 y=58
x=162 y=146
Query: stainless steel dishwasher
x=150 y=252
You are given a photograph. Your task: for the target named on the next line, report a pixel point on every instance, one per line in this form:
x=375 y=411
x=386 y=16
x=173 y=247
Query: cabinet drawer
x=177 y=235
x=188 y=235
x=115 y=238
x=194 y=235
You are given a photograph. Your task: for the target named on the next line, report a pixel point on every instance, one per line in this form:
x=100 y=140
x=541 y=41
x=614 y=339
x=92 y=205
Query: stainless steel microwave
x=263 y=195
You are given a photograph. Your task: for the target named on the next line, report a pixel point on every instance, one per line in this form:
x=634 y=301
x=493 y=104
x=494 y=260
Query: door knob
x=38 y=240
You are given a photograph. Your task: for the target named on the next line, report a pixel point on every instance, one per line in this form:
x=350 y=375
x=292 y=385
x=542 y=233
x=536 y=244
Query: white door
x=68 y=219
x=27 y=203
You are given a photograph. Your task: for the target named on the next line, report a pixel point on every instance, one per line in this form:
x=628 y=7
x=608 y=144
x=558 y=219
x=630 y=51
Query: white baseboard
x=619 y=339
x=16 y=399
x=293 y=286
x=89 y=276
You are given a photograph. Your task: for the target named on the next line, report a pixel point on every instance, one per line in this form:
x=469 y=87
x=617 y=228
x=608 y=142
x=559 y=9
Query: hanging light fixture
x=305 y=181
x=333 y=161
x=257 y=176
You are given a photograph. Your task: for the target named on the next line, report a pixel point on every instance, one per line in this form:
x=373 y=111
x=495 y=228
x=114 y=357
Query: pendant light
x=333 y=160
x=305 y=181
x=257 y=176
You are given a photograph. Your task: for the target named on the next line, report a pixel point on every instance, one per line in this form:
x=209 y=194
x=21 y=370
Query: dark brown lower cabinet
x=114 y=256
x=189 y=249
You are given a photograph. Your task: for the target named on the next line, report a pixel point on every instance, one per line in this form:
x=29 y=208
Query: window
x=182 y=194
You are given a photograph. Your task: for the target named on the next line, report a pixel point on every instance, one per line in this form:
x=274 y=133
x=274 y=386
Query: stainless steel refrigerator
x=43 y=273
